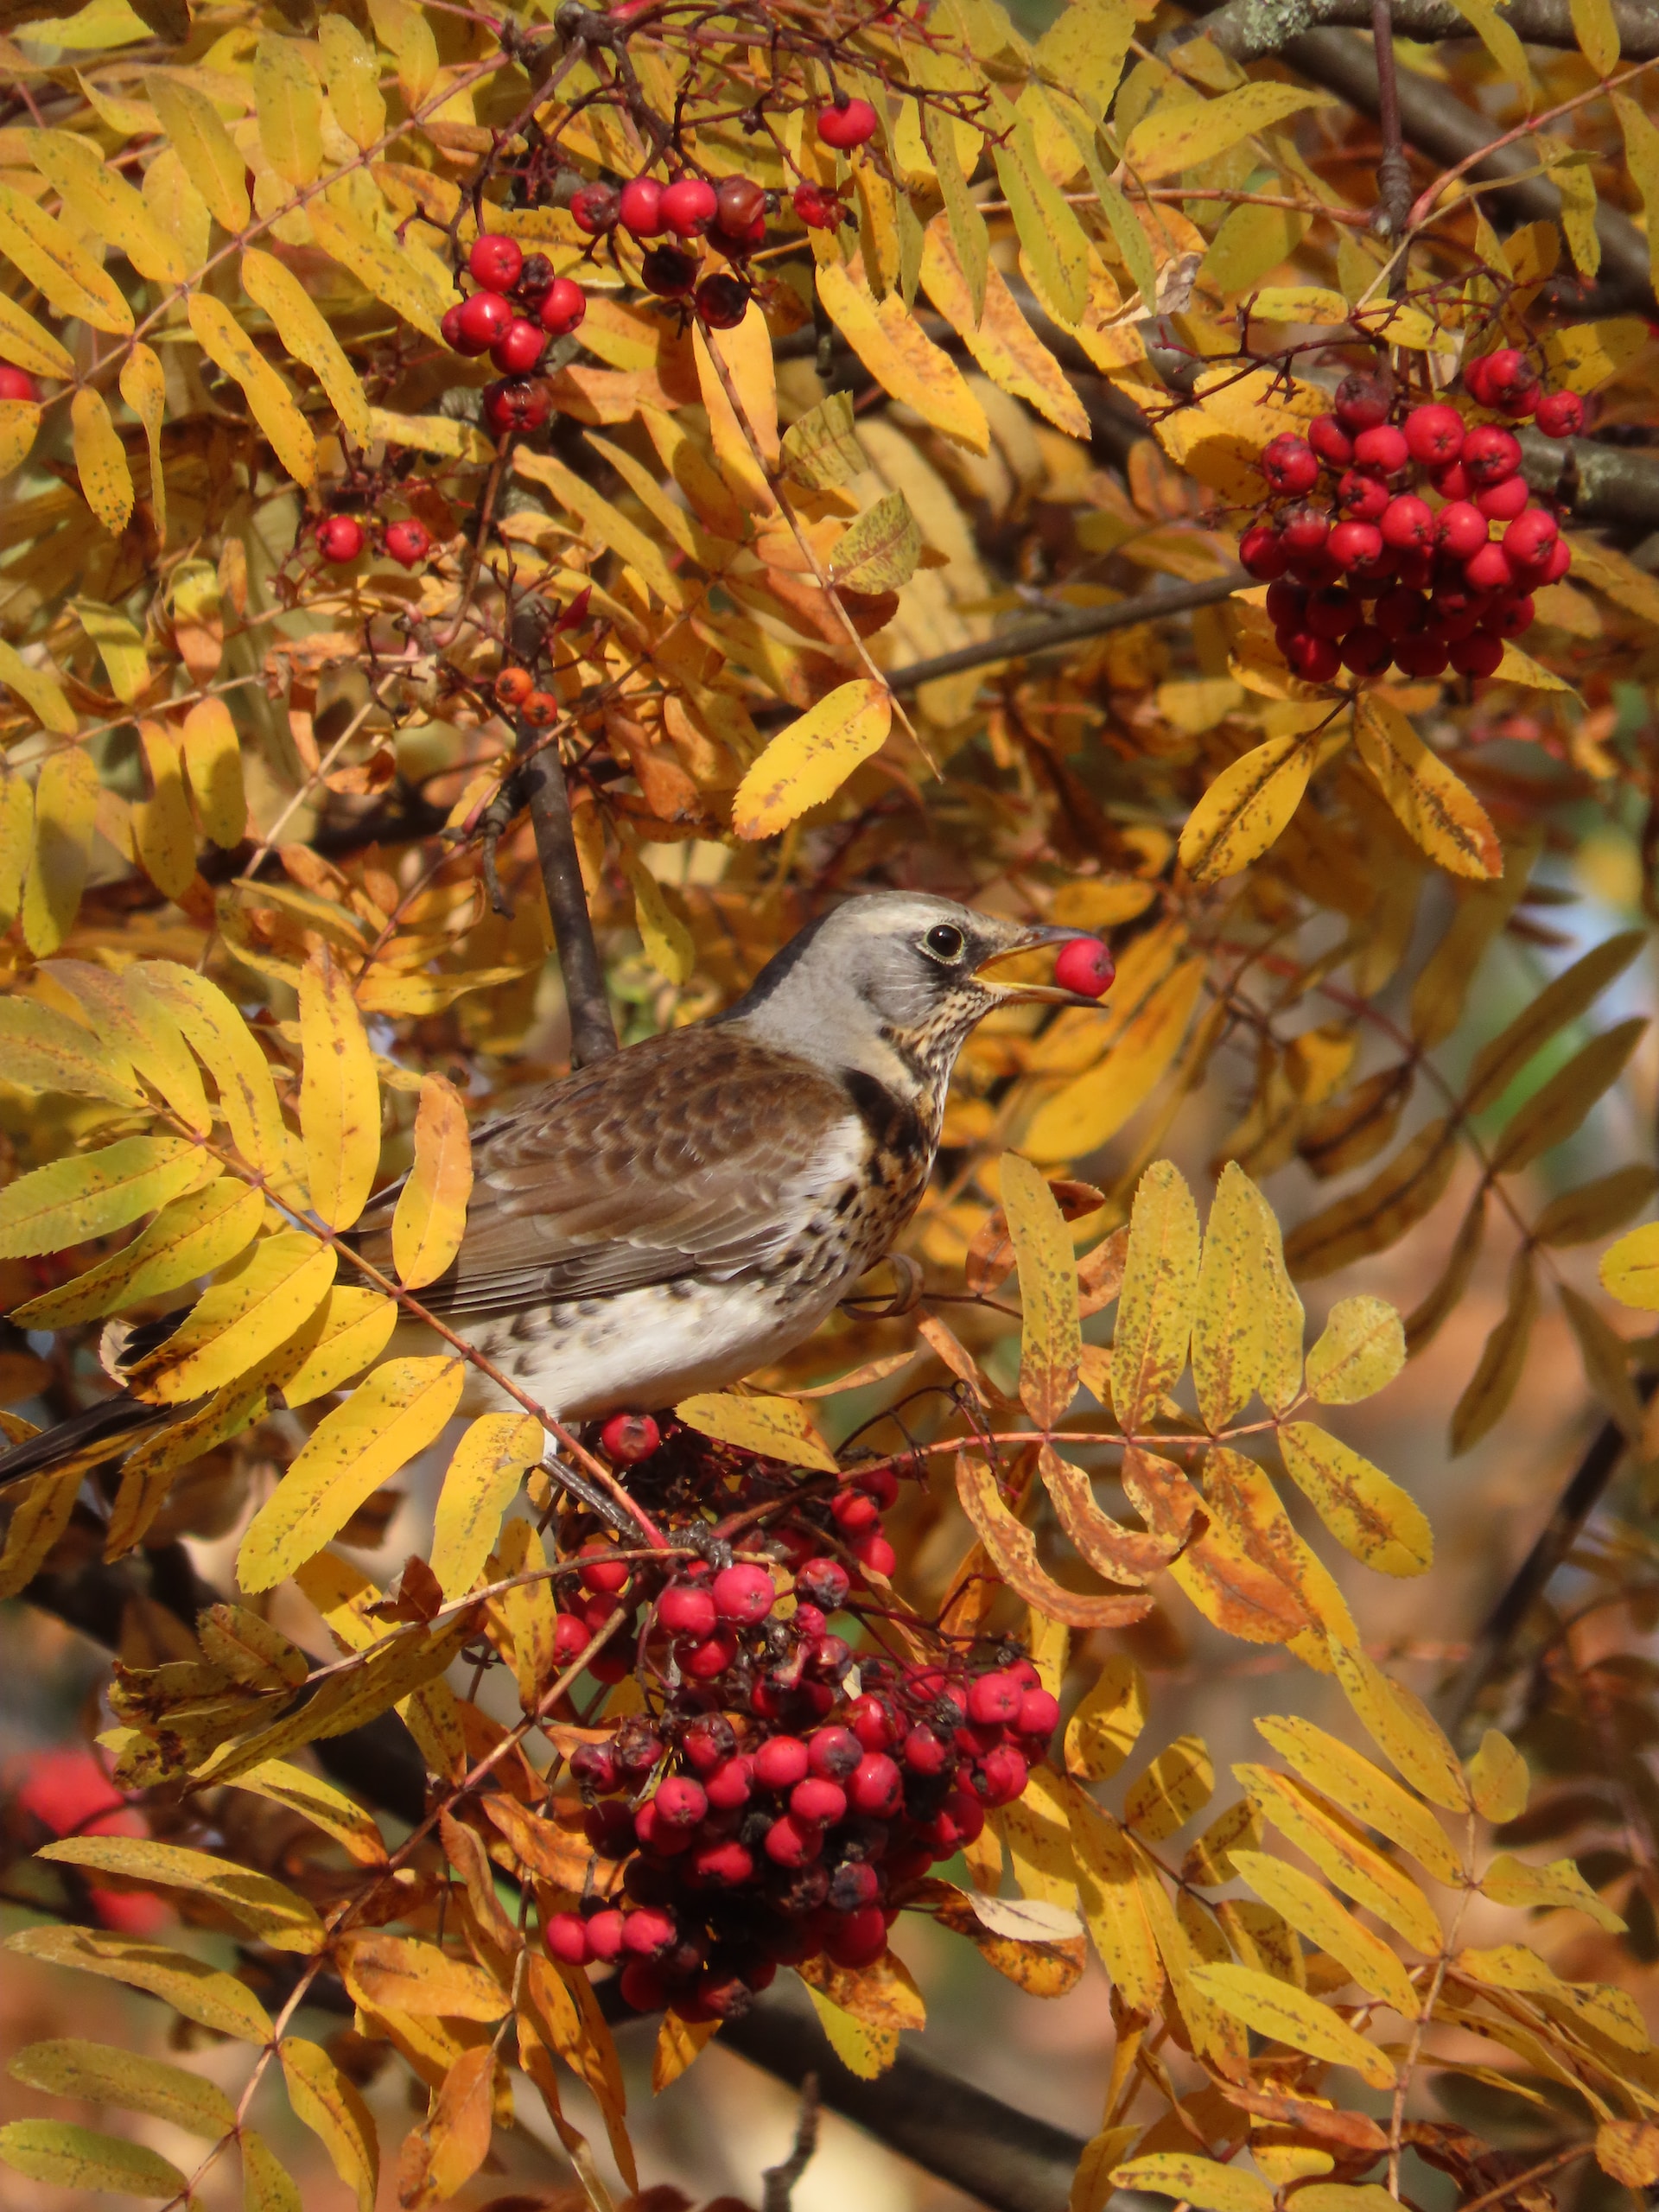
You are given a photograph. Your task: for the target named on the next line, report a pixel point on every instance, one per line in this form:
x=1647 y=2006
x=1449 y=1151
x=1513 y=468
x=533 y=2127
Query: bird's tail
x=87 y=1439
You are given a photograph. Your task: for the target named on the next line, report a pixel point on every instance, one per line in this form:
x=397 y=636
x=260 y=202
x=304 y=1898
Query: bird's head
x=894 y=979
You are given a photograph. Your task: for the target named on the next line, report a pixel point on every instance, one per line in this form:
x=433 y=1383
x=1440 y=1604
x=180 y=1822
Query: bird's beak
x=1030 y=939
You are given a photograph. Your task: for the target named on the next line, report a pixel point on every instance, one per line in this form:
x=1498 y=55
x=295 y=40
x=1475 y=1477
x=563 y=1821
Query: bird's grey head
x=889 y=984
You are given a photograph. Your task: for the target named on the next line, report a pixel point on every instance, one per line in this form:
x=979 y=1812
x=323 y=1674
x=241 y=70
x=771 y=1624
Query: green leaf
x=1558 y=1107
x=68 y=2157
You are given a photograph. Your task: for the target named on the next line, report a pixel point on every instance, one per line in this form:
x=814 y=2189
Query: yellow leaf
x=1401 y=1724
x=97 y=2073
x=223 y=1042
x=745 y=355
x=902 y=359
x=880 y=551
x=401 y=1974
x=1166 y=1795
x=1609 y=2011
x=333 y=2110
x=1299 y=304
x=20 y=422
x=1559 y=1886
x=1140 y=1040
x=1436 y=808
x=105 y=205
x=1370 y=1516
x=320 y=1804
x=809 y=761
x=678 y=2043
x=163 y=832
x=262 y=1903
x=781 y=1428
x=100 y=460
x=1630 y=1269
x=73 y=1200
x=1629 y=2150
x=267 y=2185
x=143 y=386
x=392 y=274
x=120 y=647
x=479 y=1483
x=229 y=347
x=1247 y=807
x=17 y=841
x=347 y=1332
x=397 y=1412
x=53 y=259
x=1107 y=1722
x=430 y=1217
x=865 y=2051
x=339 y=1094
x=290 y=108
x=1051 y=1335
x=1155 y=1307
x=1053 y=240
x=1012 y=1551
x=45 y=1051
x=1174 y=138
x=1245 y=1508
x=435 y=434
x=201 y=1993
x=1235 y=1304
x=68 y=2157
x=1110 y=1896
x=1200 y=2182
x=1313 y=1912
x=203 y=145
x=1342 y=1856
x=1290 y=2015
x=39 y=689
x=66 y=807
x=1362 y=1350
x=1118 y=1554
x=213 y=760
x=353 y=71
x=30 y=345
x=139 y=1030
x=245 y=1315
x=996 y=333
x=1499 y=39
x=447 y=2147
x=667 y=941
x=304 y=331
x=605 y=522
x=1364 y=1792
x=1498 y=1780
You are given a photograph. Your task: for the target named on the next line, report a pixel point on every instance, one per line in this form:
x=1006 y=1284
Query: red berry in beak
x=1086 y=967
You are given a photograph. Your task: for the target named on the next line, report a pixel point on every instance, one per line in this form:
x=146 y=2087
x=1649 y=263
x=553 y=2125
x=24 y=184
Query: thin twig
x=779 y=2181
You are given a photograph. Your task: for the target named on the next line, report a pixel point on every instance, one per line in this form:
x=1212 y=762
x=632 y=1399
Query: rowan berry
x=873 y=1551
x=594 y=1766
x=1001 y=1777
x=924 y=1752
x=1453 y=482
x=1433 y=434
x=1361 y=498
x=1364 y=399
x=1406 y=521
x=540 y=710
x=669 y=272
x=512 y=687
x=563 y=304
x=1262 y=552
x=1040 y=1713
x=781 y=1762
x=994 y=1699
x=860 y=1940
x=845 y=123
x=656 y=1833
x=517 y=405
x=823 y=1582
x=722 y=301
x=685 y=1609
x=408 y=543
x=708 y=1658
x=1310 y=570
x=818 y=1802
x=340 y=538
x=1460 y=529
x=1490 y=569
x=792 y=1841
x=1331 y=612
x=594 y=209
x=1289 y=465
x=1366 y=651
x=1478 y=655
x=565 y=1935
x=876 y=1787
x=1415 y=571
x=609 y=1828
x=17 y=383
x=853 y=1884
x=688 y=206
x=1401 y=614
x=871 y=1720
x=1285 y=603
x=482 y=320
x=1489 y=454
x=1086 y=967
x=519 y=347
x=1530 y=539
x=1353 y=544
x=605 y=1933
x=1304 y=530
x=626 y=1439
x=1559 y=414
x=639 y=207
x=1559 y=560
x=1316 y=660
x=1448 y=623
x=599 y=1571
x=834 y=1753
x=1419 y=657
x=818 y=209
x=1503 y=502
x=739 y=201
x=731 y=1785
x=1510 y=617
x=495 y=262
x=743 y=1594
x=725 y=1864
x=680 y=1802
x=1380 y=450
x=1330 y=442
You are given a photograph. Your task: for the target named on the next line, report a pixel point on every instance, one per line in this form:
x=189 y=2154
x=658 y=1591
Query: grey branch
x=1068 y=628
x=1434 y=120
x=780 y=2181
x=1610 y=485
x=593 y=1034
x=1249 y=29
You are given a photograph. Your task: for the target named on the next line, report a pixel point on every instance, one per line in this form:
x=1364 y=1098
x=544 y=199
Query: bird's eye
x=945 y=941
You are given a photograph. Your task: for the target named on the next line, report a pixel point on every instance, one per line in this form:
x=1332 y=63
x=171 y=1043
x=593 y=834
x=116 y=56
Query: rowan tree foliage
x=507 y=517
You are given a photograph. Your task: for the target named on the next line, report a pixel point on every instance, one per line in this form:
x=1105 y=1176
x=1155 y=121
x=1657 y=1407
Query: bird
x=666 y=1219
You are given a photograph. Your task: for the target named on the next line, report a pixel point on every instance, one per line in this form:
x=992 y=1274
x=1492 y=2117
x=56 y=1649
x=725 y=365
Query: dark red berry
x=1366 y=651
x=519 y=404
x=1364 y=400
x=563 y=305
x=1478 y=656
x=639 y=207
x=833 y=1752
x=669 y=272
x=823 y=1582
x=1315 y=659
x=593 y=1765
x=1261 y=552
x=722 y=301
x=626 y=1439
x=817 y=209
x=1401 y=614
x=495 y=262
x=688 y=206
x=594 y=209
x=847 y=123
x=792 y=1841
x=1510 y=617
x=1285 y=604
x=1001 y=1777
x=1289 y=465
x=1331 y=612
x=1419 y=657
x=1304 y=530
x=738 y=201
x=1559 y=414
x=860 y=1940
x=340 y=538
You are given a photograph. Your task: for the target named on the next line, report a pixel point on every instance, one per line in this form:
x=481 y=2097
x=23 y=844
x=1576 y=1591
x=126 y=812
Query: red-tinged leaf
x=1012 y=1549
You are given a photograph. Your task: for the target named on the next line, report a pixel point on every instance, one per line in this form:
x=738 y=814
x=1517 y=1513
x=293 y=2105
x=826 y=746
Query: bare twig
x=1392 y=171
x=1069 y=628
x=779 y=2181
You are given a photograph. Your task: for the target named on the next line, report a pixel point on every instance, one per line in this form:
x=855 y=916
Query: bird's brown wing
x=691 y=1154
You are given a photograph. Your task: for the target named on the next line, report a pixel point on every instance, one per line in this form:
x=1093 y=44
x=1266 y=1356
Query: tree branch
x=1392 y=171
x=593 y=1034
x=1249 y=29
x=1594 y=483
x=1068 y=628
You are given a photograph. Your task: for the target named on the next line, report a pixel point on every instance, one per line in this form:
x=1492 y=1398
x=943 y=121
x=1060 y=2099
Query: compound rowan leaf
x=72 y=1201
x=781 y=1428
x=1498 y=1780
x=1051 y=1335
x=68 y=2157
x=1629 y=2150
x=1155 y=1306
x=1247 y=807
x=1013 y=1550
x=45 y=1051
x=1199 y=2181
x=43 y=694
x=332 y=2107
x=1244 y=1507
x=1610 y=2012
x=1290 y=2015
x=1401 y=1724
x=288 y=104
x=305 y=330
x=263 y=1904
x=1165 y=1795
x=227 y=1048
x=1341 y=1854
x=199 y=1992
x=101 y=460
x=403 y=1974
x=1437 y=810
x=904 y=360
x=66 y=807
x=970 y=237
x=809 y=761
x=100 y=2072
x=1174 y=138
x=1054 y=243
x=1118 y=1554
x=132 y=1023
x=106 y=206
x=222 y=338
x=443 y=2153
x=480 y=1482
x=339 y=1094
x=398 y=1411
x=881 y=549
x=984 y=313
x=1361 y=1350
x=264 y=1298
x=1364 y=1791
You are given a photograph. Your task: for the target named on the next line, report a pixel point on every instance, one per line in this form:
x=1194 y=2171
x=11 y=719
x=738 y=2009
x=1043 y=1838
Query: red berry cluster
x=518 y=305
x=778 y=1800
x=1366 y=574
x=342 y=539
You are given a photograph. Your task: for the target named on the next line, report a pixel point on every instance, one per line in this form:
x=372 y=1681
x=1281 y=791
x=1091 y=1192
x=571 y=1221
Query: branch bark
x=1067 y=629
x=593 y=1033
x=1249 y=29
x=1610 y=485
